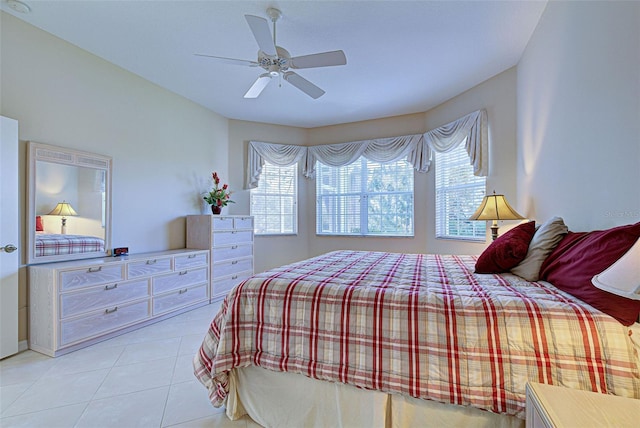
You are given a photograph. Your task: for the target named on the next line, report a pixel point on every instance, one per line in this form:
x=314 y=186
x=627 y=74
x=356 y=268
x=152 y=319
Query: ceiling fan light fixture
x=274 y=71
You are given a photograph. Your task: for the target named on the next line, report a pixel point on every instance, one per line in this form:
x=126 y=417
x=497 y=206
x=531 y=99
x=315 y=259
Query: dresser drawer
x=91 y=325
x=148 y=267
x=243 y=223
x=180 y=279
x=232 y=237
x=178 y=298
x=222 y=223
x=222 y=286
x=232 y=267
x=232 y=252
x=93 y=275
x=191 y=260
x=99 y=297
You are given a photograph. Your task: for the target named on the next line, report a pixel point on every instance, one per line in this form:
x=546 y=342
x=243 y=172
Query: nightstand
x=554 y=406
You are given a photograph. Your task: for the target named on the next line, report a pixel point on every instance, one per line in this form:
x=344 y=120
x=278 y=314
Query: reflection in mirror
x=69 y=204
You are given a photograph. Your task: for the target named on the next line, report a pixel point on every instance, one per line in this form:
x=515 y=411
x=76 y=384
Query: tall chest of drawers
x=230 y=240
x=74 y=304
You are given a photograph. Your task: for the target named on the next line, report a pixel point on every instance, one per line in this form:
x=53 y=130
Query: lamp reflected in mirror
x=495 y=207
x=63 y=209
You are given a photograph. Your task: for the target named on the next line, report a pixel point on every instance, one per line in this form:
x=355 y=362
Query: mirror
x=69 y=204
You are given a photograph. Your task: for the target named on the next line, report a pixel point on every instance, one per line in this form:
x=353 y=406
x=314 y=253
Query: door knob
x=9 y=248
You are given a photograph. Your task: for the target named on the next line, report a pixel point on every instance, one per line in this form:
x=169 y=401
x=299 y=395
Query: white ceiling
x=402 y=56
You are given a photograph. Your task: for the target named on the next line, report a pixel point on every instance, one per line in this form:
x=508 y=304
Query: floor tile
x=24 y=368
x=138 y=409
x=56 y=391
x=87 y=359
x=10 y=393
x=142 y=378
x=183 y=371
x=187 y=401
x=190 y=344
x=137 y=377
x=146 y=351
x=59 y=417
x=219 y=420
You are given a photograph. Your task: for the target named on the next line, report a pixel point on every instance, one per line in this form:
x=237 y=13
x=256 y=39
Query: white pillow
x=546 y=238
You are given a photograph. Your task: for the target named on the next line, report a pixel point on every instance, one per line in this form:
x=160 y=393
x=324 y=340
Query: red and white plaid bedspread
x=55 y=245
x=421 y=325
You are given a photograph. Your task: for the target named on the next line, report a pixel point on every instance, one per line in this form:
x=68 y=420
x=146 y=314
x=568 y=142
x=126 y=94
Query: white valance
x=379 y=150
x=416 y=149
x=276 y=154
x=445 y=138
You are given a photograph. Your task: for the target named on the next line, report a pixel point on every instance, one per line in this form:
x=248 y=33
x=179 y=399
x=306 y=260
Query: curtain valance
x=416 y=149
x=276 y=154
x=445 y=138
x=379 y=150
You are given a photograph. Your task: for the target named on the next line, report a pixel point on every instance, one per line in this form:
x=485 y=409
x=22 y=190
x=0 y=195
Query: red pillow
x=580 y=256
x=507 y=250
x=39 y=226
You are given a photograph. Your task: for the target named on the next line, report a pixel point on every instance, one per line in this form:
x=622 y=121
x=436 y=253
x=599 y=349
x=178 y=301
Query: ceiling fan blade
x=324 y=59
x=258 y=86
x=260 y=29
x=303 y=84
x=231 y=60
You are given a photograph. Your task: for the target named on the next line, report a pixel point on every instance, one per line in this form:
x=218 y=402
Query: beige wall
x=163 y=146
x=579 y=115
x=270 y=251
x=497 y=95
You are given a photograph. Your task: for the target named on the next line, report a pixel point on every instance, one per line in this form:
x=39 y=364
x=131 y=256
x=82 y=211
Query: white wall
x=164 y=147
x=579 y=115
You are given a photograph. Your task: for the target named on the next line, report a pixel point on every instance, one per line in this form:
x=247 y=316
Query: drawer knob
x=110 y=311
x=94 y=269
x=184 y=290
x=234 y=277
x=233 y=232
x=151 y=262
x=234 y=262
x=191 y=256
x=111 y=287
x=234 y=247
x=184 y=272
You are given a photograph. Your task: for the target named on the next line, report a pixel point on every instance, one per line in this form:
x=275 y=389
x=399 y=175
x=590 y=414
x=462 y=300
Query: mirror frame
x=71 y=157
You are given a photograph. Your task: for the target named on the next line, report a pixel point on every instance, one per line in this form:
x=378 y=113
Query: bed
x=355 y=338
x=49 y=244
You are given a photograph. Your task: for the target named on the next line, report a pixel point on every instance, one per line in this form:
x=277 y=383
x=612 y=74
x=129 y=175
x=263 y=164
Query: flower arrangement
x=218 y=196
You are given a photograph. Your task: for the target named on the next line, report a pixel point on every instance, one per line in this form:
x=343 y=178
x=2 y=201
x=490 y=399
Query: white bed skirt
x=282 y=400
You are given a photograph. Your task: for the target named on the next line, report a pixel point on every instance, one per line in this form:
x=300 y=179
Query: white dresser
x=75 y=304
x=230 y=240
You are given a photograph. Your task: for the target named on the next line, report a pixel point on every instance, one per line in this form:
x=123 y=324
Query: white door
x=9 y=257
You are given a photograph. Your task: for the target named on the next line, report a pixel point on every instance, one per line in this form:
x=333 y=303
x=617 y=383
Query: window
x=365 y=198
x=458 y=195
x=274 y=201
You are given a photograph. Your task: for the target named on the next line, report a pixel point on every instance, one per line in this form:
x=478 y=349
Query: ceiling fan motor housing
x=275 y=64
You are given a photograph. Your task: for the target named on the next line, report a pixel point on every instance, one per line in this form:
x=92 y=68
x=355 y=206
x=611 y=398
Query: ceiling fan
x=277 y=61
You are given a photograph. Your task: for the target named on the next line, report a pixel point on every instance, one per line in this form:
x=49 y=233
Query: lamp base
x=494 y=230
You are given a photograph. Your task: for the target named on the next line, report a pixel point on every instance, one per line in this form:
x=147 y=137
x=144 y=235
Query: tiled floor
x=140 y=379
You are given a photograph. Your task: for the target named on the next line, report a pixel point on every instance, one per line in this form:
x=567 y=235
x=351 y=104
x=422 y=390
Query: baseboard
x=23 y=345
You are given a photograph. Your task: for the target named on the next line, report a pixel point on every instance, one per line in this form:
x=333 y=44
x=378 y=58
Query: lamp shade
x=63 y=208
x=495 y=207
x=622 y=277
